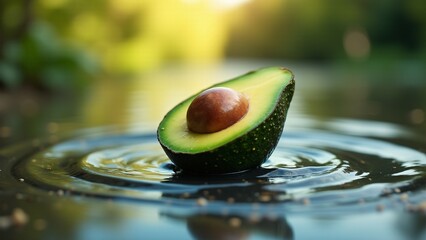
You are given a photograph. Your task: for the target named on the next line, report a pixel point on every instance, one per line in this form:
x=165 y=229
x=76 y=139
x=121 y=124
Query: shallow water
x=332 y=176
x=327 y=169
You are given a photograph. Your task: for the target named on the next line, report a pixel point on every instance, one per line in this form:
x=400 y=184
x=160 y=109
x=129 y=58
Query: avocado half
x=246 y=144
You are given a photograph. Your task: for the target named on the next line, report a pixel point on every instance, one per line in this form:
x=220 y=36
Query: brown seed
x=216 y=109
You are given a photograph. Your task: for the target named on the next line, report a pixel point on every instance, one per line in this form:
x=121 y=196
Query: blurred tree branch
x=27 y=18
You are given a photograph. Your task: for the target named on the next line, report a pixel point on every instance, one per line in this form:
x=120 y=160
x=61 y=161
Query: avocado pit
x=216 y=109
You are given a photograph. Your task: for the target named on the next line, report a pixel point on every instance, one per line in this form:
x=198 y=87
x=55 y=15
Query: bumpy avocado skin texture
x=246 y=152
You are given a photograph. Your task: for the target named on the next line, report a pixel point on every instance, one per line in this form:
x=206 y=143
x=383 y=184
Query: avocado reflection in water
x=245 y=187
x=232 y=226
x=232 y=189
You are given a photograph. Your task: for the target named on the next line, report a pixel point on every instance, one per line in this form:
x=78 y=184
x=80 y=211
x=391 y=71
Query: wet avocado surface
x=244 y=145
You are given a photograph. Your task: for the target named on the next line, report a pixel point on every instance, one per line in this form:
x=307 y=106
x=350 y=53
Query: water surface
x=352 y=169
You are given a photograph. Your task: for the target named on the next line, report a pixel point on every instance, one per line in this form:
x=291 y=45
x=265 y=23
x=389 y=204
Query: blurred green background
x=125 y=62
x=64 y=44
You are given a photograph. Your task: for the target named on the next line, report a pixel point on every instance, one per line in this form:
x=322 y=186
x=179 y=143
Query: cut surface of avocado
x=241 y=146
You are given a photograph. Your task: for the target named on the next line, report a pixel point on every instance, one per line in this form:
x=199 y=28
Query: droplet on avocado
x=216 y=109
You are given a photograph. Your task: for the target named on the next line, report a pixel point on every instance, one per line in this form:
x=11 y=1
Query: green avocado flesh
x=244 y=145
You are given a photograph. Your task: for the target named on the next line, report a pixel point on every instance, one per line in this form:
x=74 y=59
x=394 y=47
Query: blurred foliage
x=33 y=55
x=130 y=36
x=317 y=30
x=61 y=44
x=40 y=60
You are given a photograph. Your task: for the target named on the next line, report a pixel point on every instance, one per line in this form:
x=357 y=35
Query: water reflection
x=139 y=104
x=413 y=226
x=235 y=226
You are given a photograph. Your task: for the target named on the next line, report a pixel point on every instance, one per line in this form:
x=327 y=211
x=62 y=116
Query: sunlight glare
x=220 y=4
x=228 y=4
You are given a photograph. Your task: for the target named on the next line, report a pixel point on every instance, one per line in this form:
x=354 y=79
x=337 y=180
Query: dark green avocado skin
x=246 y=152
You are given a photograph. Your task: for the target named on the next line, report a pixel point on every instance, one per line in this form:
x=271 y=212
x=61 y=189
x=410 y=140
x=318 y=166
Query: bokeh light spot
x=356 y=44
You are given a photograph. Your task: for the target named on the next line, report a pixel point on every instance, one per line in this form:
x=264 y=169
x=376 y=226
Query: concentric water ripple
x=308 y=167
